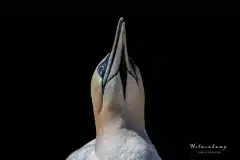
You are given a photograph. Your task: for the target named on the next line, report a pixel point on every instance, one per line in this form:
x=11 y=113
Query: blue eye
x=102 y=67
x=101 y=70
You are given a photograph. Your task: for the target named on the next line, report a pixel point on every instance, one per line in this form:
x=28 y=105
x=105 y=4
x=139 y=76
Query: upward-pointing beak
x=118 y=61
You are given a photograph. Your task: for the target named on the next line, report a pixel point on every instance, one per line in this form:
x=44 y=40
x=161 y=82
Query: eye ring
x=101 y=71
x=102 y=67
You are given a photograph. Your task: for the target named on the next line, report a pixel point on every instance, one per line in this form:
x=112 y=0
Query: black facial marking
x=123 y=73
x=134 y=69
x=132 y=64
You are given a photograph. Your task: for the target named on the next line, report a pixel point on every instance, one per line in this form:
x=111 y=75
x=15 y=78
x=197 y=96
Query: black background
x=188 y=65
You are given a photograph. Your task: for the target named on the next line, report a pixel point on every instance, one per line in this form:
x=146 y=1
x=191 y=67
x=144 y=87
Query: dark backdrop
x=187 y=65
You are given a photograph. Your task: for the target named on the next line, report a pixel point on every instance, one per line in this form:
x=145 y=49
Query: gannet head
x=116 y=88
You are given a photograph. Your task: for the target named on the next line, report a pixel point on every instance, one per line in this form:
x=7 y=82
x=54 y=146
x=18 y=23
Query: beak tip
x=121 y=19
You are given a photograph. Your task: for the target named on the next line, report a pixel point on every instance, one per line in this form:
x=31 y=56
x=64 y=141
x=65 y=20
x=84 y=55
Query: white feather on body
x=125 y=145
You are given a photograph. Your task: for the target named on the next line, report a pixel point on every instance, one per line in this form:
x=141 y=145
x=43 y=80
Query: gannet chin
x=118 y=99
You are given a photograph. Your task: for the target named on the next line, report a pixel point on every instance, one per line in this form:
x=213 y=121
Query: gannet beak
x=118 y=61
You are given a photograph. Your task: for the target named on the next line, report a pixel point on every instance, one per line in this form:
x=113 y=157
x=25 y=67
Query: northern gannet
x=118 y=99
